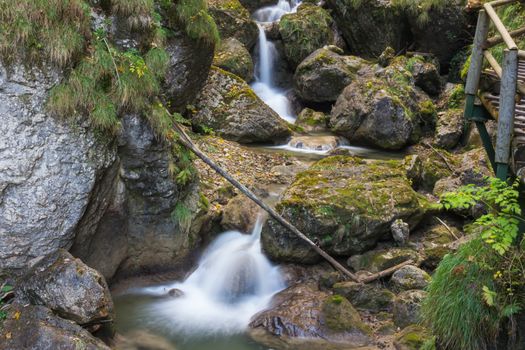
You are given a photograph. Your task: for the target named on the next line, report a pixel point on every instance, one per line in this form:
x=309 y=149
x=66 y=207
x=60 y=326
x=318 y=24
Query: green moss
x=457 y=97
x=341 y=316
x=198 y=23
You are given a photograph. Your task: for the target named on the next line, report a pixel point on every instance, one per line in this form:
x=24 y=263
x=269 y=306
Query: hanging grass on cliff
x=198 y=23
x=56 y=30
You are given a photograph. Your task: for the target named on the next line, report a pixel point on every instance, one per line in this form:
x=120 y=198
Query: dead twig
x=385 y=273
x=447 y=227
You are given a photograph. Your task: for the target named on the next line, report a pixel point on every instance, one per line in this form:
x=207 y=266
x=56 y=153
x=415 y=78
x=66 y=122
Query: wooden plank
x=476 y=60
x=507 y=106
x=495 y=40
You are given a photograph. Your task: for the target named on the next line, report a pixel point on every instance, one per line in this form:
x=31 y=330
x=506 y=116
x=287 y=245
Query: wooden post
x=507 y=105
x=476 y=63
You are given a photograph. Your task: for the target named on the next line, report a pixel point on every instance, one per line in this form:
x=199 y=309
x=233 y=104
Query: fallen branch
x=440 y=155
x=447 y=227
x=384 y=273
x=186 y=141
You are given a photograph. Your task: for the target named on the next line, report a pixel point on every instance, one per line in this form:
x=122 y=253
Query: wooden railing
x=507 y=73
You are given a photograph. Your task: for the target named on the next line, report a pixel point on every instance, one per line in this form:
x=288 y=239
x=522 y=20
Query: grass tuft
x=198 y=23
x=54 y=29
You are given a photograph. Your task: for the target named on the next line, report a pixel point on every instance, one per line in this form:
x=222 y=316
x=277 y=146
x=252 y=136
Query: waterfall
x=233 y=281
x=265 y=61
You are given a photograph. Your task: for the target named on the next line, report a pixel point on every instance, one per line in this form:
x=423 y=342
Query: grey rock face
x=49 y=170
x=450 y=125
x=230 y=107
x=190 y=62
x=36 y=327
x=67 y=286
x=323 y=75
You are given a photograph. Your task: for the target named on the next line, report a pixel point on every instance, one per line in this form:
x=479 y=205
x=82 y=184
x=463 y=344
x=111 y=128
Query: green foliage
x=480 y=287
x=500 y=224
x=456 y=97
x=198 y=23
x=5 y=293
x=513 y=17
x=43 y=30
x=182 y=214
x=109 y=82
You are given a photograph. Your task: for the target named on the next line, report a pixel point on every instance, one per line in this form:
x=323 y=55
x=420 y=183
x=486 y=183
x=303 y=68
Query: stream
x=212 y=307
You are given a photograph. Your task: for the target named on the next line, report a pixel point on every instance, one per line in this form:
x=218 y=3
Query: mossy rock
x=407 y=306
x=323 y=75
x=312 y=121
x=341 y=316
x=233 y=57
x=425 y=71
x=304 y=32
x=366 y=297
x=381 y=259
x=384 y=110
x=345 y=204
x=413 y=338
x=434 y=164
x=233 y=20
x=450 y=126
x=229 y=106
x=409 y=277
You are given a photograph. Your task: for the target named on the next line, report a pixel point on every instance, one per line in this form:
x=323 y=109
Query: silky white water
x=264 y=85
x=233 y=281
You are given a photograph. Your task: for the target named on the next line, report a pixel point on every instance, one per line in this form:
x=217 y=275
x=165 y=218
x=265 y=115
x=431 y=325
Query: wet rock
x=36 y=327
x=233 y=20
x=383 y=110
x=233 y=57
x=231 y=108
x=302 y=315
x=412 y=338
x=381 y=259
x=240 y=214
x=312 y=121
x=315 y=143
x=450 y=126
x=271 y=30
x=142 y=340
x=49 y=170
x=370 y=26
x=337 y=203
x=252 y=5
x=406 y=307
x=366 y=297
x=190 y=62
x=67 y=286
x=410 y=277
x=175 y=293
x=323 y=75
x=304 y=32
x=400 y=232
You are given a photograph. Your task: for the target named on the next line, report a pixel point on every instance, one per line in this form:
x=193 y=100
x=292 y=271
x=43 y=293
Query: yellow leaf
x=8 y=335
x=17 y=315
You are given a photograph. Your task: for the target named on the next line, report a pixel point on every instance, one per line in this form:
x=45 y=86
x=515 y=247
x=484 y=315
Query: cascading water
x=264 y=69
x=233 y=281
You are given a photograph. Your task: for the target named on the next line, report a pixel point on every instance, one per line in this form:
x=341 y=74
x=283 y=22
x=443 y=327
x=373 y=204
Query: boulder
x=382 y=110
x=450 y=127
x=305 y=31
x=231 y=108
x=302 y=315
x=381 y=259
x=370 y=26
x=36 y=327
x=400 y=232
x=240 y=214
x=233 y=20
x=68 y=287
x=433 y=165
x=189 y=64
x=424 y=69
x=407 y=305
x=323 y=75
x=233 y=57
x=409 y=277
x=345 y=205
x=366 y=297
x=312 y=121
x=414 y=337
x=50 y=169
